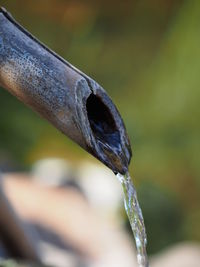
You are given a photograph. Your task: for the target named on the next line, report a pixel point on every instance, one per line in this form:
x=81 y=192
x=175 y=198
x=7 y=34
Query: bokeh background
x=146 y=54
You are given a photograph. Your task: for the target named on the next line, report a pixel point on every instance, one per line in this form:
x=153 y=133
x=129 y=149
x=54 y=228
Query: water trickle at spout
x=135 y=216
x=116 y=154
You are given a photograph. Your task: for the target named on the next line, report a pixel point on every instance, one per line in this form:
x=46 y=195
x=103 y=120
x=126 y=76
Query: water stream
x=136 y=220
x=108 y=139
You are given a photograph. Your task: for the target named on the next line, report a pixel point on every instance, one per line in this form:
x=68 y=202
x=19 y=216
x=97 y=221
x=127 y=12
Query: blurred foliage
x=146 y=55
x=163 y=216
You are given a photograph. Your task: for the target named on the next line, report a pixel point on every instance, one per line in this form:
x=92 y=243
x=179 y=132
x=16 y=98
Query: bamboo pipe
x=73 y=102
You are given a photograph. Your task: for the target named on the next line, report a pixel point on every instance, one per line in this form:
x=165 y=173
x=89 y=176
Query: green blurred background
x=146 y=54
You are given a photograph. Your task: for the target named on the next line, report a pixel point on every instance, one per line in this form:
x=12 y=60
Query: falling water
x=109 y=141
x=134 y=213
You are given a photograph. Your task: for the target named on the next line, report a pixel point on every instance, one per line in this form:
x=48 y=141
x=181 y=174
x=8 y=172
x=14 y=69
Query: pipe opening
x=102 y=122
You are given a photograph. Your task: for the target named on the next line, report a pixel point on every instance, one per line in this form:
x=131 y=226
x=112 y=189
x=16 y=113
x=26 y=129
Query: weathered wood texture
x=58 y=92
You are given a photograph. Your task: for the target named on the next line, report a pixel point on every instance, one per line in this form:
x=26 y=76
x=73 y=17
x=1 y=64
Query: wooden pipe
x=73 y=102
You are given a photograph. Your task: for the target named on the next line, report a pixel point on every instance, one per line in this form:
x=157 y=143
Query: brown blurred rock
x=66 y=215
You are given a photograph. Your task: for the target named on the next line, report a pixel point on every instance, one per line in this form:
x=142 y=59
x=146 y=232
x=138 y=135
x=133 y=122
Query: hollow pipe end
x=107 y=138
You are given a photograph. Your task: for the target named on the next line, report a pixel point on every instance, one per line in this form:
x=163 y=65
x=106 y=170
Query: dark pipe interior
x=102 y=122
